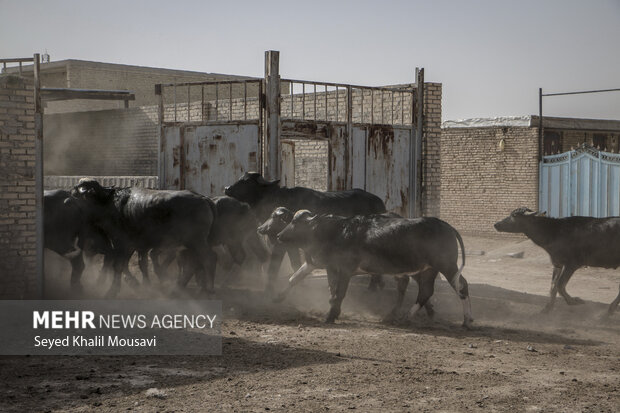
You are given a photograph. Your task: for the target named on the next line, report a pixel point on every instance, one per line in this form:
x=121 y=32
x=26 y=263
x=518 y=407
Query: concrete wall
x=17 y=190
x=480 y=183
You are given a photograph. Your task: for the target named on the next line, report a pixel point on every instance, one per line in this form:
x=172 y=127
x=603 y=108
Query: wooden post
x=415 y=153
x=271 y=167
x=38 y=174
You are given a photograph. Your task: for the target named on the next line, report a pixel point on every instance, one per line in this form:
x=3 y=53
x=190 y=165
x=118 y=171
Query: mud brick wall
x=311 y=158
x=480 y=183
x=431 y=150
x=17 y=189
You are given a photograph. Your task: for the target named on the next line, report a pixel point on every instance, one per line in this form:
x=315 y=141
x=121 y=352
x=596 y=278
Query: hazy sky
x=490 y=55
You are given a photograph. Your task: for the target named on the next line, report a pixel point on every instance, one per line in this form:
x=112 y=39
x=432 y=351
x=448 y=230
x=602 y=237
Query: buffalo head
x=277 y=221
x=250 y=187
x=299 y=229
x=517 y=220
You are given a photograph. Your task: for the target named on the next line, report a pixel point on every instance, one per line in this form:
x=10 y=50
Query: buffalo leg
x=188 y=268
x=120 y=262
x=614 y=304
x=562 y=282
x=77 y=268
x=277 y=254
x=426 y=288
x=295 y=279
x=160 y=269
x=143 y=263
x=401 y=288
x=556 y=280
x=338 y=283
x=459 y=284
x=294 y=257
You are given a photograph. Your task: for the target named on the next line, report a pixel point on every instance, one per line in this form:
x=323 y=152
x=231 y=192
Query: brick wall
x=431 y=150
x=17 y=190
x=481 y=184
x=311 y=157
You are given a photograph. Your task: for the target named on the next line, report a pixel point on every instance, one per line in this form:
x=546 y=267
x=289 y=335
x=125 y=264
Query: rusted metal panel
x=171 y=157
x=216 y=155
x=387 y=166
x=339 y=158
x=358 y=158
x=287 y=176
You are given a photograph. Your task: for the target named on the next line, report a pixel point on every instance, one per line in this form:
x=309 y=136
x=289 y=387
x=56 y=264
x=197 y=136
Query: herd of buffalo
x=345 y=232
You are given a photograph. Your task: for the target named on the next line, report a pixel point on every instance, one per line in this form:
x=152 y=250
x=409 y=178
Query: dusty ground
x=283 y=358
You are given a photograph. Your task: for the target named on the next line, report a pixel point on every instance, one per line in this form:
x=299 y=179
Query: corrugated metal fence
x=583 y=182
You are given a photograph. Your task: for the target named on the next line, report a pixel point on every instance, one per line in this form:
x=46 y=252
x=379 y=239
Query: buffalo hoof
x=467 y=323
x=546 y=309
x=575 y=301
x=395 y=317
x=330 y=320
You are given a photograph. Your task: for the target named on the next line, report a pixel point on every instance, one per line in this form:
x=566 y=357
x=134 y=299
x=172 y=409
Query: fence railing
x=217 y=101
x=19 y=60
x=334 y=102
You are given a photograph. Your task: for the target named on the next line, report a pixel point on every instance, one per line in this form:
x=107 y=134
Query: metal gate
x=213 y=132
x=583 y=182
x=371 y=136
x=210 y=134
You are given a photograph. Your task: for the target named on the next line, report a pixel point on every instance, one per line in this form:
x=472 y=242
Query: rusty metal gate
x=370 y=133
x=210 y=133
x=364 y=137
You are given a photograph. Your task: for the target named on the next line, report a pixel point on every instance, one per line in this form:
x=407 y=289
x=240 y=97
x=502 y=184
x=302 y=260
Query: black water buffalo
x=278 y=220
x=136 y=219
x=68 y=233
x=63 y=223
x=381 y=244
x=571 y=243
x=264 y=196
x=234 y=229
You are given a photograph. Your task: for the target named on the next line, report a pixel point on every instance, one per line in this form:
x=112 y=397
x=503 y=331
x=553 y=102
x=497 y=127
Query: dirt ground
x=282 y=357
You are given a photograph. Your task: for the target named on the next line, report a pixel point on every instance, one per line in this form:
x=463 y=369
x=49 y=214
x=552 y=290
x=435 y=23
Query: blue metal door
x=583 y=182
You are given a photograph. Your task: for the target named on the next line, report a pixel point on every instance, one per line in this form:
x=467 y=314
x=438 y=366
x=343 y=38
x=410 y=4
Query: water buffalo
x=137 y=219
x=381 y=244
x=264 y=196
x=571 y=243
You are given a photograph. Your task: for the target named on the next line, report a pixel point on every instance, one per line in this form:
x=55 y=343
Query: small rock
x=532 y=349
x=519 y=254
x=472 y=346
x=156 y=393
x=232 y=333
x=567 y=347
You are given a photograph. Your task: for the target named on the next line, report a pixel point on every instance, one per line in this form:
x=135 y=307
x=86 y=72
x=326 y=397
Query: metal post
x=272 y=92
x=539 y=146
x=38 y=174
x=540 y=124
x=349 y=140
x=160 y=138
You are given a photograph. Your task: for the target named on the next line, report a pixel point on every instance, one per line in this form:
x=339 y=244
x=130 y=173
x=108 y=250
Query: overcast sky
x=490 y=55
